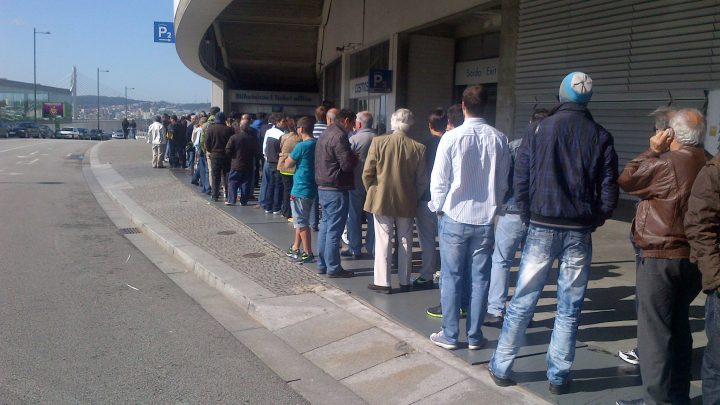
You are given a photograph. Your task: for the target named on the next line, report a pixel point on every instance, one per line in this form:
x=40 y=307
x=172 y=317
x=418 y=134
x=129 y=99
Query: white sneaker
x=630 y=356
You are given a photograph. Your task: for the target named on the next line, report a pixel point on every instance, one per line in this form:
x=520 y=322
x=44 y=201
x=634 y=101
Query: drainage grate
x=127 y=231
x=253 y=255
x=226 y=233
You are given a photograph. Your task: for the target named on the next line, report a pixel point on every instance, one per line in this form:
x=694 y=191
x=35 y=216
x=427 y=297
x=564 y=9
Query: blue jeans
x=356 y=215
x=203 y=174
x=509 y=232
x=335 y=205
x=711 y=358
x=573 y=248
x=264 y=183
x=274 y=190
x=465 y=252
x=240 y=180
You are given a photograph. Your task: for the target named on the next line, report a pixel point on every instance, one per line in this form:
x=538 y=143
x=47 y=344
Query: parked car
x=69 y=133
x=46 y=132
x=84 y=133
x=4 y=130
x=25 y=130
x=118 y=134
x=98 y=135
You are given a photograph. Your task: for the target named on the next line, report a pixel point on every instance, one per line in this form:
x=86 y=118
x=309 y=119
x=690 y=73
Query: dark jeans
x=177 y=155
x=287 y=181
x=273 y=193
x=711 y=359
x=665 y=289
x=220 y=169
x=242 y=180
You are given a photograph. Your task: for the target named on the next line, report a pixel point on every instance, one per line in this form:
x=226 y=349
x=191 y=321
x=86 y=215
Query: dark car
x=25 y=130
x=46 y=132
x=4 y=130
x=84 y=133
x=98 y=135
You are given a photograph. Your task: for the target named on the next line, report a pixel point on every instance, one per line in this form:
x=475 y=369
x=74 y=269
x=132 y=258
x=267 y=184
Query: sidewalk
x=375 y=345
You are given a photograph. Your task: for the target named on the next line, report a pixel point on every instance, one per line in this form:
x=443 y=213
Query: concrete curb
x=258 y=302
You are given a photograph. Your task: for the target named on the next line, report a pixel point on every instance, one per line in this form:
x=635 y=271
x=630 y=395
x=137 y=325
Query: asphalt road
x=71 y=328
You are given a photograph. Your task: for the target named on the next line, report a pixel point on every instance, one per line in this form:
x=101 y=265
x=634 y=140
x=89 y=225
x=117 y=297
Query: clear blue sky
x=116 y=35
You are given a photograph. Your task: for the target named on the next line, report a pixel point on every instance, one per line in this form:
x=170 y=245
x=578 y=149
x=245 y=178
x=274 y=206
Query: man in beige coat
x=394 y=176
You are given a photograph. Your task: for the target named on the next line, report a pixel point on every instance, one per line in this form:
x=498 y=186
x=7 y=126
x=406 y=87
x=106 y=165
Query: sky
x=114 y=35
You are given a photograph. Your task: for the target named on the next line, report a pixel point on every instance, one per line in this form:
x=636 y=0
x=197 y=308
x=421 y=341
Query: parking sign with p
x=164 y=32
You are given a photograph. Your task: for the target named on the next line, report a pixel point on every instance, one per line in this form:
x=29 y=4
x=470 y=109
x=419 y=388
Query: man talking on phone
x=667 y=282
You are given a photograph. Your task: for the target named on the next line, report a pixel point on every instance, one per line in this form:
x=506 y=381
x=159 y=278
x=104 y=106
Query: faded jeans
x=711 y=358
x=465 y=252
x=573 y=248
x=509 y=232
x=334 y=204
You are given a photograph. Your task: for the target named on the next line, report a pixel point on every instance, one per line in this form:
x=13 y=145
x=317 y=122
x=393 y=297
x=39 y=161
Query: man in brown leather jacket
x=667 y=281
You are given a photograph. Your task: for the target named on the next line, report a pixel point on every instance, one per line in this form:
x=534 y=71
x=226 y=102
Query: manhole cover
x=127 y=231
x=226 y=233
x=253 y=255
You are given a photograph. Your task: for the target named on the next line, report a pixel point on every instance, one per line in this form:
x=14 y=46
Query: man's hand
x=660 y=142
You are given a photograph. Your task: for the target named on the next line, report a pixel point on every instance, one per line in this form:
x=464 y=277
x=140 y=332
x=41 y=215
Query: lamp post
x=126 y=100
x=98 y=94
x=35 y=33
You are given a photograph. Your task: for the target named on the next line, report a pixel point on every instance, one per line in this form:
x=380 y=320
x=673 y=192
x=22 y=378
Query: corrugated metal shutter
x=641 y=54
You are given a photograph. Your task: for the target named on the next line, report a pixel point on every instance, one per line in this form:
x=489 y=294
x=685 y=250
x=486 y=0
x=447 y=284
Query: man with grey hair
x=394 y=176
x=360 y=144
x=667 y=281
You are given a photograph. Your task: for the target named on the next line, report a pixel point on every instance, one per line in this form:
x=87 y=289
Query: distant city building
x=17 y=101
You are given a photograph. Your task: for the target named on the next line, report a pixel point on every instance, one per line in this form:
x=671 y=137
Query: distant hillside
x=91 y=101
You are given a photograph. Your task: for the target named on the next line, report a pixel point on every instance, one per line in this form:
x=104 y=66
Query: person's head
x=576 y=87
x=364 y=120
x=344 y=118
x=194 y=119
x=401 y=120
x=220 y=118
x=157 y=118
x=173 y=118
x=279 y=121
x=290 y=123
x=305 y=127
x=474 y=100
x=662 y=117
x=688 y=125
x=538 y=114
x=331 y=116
x=202 y=121
x=320 y=113
x=246 y=117
x=437 y=121
x=455 y=116
x=214 y=110
x=245 y=121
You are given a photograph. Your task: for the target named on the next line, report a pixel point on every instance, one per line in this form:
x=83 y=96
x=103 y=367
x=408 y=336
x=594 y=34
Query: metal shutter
x=640 y=54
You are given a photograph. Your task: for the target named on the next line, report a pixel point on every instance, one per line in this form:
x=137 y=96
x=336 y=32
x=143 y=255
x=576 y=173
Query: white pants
x=383 y=248
x=158 y=155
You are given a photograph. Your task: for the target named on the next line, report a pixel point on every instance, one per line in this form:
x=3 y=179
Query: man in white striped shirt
x=468 y=183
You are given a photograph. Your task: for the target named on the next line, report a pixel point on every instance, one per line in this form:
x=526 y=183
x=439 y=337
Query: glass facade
x=17 y=101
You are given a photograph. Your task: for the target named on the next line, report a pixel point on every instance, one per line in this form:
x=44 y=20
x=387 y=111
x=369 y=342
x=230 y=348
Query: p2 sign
x=164 y=32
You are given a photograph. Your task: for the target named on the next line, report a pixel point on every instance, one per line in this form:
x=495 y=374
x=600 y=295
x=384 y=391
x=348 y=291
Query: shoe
x=292 y=253
x=500 y=382
x=229 y=203
x=630 y=402
x=406 y=288
x=215 y=199
x=195 y=183
x=435 y=312
x=305 y=257
x=316 y=228
x=291 y=220
x=561 y=389
x=321 y=271
x=630 y=356
x=161 y=167
x=342 y=274
x=379 y=288
x=350 y=255
x=440 y=340
x=276 y=212
x=493 y=320
x=422 y=284
x=478 y=345
x=268 y=212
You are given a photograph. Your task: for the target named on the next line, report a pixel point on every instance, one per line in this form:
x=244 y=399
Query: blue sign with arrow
x=164 y=32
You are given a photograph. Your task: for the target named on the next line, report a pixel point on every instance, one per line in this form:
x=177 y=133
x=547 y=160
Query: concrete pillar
x=345 y=80
x=218 y=96
x=505 y=115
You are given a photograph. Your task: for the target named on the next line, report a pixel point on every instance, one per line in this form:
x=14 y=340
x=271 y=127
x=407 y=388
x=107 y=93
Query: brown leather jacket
x=334 y=160
x=663 y=183
x=702 y=224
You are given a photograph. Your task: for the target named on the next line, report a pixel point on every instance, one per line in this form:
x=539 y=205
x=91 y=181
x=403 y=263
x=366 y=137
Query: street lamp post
x=126 y=100
x=98 y=95
x=35 y=33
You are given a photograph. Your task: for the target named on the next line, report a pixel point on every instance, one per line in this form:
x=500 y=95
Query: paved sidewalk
x=376 y=345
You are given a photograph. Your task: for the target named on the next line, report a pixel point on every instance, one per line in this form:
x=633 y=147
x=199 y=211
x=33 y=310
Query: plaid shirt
x=566 y=170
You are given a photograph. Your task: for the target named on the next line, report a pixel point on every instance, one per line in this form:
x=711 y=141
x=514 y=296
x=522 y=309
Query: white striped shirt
x=469 y=178
x=319 y=128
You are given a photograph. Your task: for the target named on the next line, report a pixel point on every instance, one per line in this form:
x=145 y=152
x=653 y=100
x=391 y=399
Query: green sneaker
x=436 y=312
x=305 y=257
x=292 y=253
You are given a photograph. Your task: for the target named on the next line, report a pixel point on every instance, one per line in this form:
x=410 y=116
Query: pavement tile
x=358 y=352
x=279 y=312
x=321 y=330
x=471 y=392
x=403 y=380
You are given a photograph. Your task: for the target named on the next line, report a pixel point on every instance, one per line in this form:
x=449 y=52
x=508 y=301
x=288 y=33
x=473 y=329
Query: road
x=85 y=317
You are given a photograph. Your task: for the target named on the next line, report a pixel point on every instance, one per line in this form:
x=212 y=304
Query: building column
x=218 y=95
x=505 y=114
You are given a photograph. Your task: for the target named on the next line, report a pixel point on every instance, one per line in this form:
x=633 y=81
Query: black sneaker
x=500 y=382
x=342 y=274
x=493 y=320
x=349 y=255
x=561 y=389
x=422 y=284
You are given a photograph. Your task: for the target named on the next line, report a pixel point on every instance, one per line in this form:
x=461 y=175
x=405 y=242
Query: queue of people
x=482 y=197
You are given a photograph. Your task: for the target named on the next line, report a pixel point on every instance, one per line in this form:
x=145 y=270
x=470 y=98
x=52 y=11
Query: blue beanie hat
x=576 y=88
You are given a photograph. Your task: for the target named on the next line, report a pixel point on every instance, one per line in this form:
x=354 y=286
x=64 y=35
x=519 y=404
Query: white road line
x=16 y=174
x=32 y=161
x=22 y=157
x=34 y=152
x=27 y=146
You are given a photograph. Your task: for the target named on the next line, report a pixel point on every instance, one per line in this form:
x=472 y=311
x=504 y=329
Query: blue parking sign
x=164 y=32
x=379 y=81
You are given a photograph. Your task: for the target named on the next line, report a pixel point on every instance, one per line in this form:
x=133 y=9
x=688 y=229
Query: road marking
x=34 y=152
x=32 y=161
x=15 y=174
x=128 y=259
x=22 y=157
x=27 y=146
x=136 y=289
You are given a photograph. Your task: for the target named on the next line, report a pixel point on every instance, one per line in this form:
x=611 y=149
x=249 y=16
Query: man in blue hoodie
x=566 y=186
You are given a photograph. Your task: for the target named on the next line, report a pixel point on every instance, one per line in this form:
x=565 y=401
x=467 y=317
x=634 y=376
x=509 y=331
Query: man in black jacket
x=177 y=142
x=218 y=135
x=243 y=150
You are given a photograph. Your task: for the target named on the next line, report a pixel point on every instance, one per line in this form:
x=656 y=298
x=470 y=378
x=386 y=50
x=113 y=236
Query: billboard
x=52 y=110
